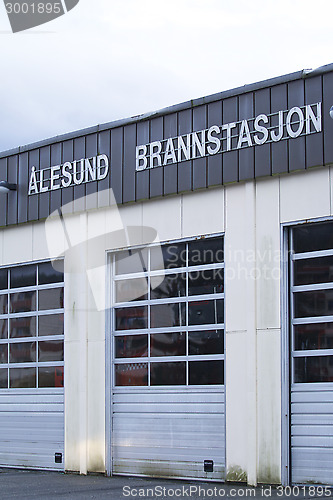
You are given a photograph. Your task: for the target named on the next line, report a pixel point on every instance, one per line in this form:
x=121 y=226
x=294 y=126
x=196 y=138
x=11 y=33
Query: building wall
x=250 y=214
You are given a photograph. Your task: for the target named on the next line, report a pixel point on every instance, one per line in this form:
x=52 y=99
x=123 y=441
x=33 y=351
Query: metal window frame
x=109 y=341
x=29 y=314
x=286 y=334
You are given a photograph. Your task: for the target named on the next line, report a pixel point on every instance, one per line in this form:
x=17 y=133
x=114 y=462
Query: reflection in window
x=173 y=285
x=135 y=261
x=52 y=298
x=314 y=336
x=168 y=373
x=22 y=302
x=205 y=251
x=168 y=344
x=131 y=318
x=131 y=346
x=173 y=256
x=22 y=352
x=23 y=276
x=20 y=378
x=3 y=279
x=3 y=353
x=308 y=271
x=131 y=374
x=3 y=378
x=164 y=315
x=51 y=324
x=206 y=342
x=51 y=350
x=23 y=327
x=313 y=237
x=3 y=304
x=207 y=281
x=206 y=372
x=132 y=289
x=315 y=303
x=51 y=376
x=50 y=273
x=205 y=312
x=314 y=369
x=3 y=328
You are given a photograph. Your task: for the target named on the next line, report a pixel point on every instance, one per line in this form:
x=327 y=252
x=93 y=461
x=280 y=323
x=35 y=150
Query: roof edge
x=305 y=73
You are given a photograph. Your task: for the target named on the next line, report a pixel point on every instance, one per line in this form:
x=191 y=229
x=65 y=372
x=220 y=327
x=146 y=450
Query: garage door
x=168 y=404
x=312 y=353
x=32 y=367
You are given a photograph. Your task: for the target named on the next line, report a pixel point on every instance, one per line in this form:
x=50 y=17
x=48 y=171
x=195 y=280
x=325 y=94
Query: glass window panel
x=205 y=251
x=208 y=281
x=51 y=376
x=3 y=328
x=3 y=353
x=205 y=312
x=3 y=304
x=22 y=378
x=3 y=279
x=22 y=302
x=173 y=256
x=131 y=318
x=314 y=336
x=23 y=352
x=51 y=350
x=23 y=276
x=171 y=285
x=49 y=272
x=168 y=373
x=132 y=374
x=51 y=324
x=23 y=327
x=3 y=378
x=313 y=237
x=313 y=369
x=131 y=261
x=164 y=315
x=206 y=342
x=206 y=372
x=316 y=303
x=308 y=271
x=131 y=346
x=132 y=289
x=168 y=344
x=51 y=299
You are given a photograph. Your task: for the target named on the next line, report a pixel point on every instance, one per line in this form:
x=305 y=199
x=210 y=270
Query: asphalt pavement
x=41 y=485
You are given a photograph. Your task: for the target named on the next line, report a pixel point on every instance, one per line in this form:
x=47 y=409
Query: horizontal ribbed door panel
x=32 y=428
x=169 y=432
x=312 y=434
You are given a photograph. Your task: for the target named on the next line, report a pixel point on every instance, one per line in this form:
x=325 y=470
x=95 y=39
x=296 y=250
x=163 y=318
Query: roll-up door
x=311 y=306
x=168 y=404
x=32 y=367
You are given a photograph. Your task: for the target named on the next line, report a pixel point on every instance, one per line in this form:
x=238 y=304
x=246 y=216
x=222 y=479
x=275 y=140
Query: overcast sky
x=111 y=59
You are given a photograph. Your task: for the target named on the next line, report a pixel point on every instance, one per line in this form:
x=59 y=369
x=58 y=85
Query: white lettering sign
x=69 y=174
x=257 y=131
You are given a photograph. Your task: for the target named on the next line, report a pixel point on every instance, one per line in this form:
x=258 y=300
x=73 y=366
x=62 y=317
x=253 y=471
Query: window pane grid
x=168 y=317
x=33 y=360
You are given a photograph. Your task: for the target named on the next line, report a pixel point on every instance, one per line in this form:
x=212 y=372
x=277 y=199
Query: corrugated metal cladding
x=169 y=432
x=119 y=142
x=32 y=428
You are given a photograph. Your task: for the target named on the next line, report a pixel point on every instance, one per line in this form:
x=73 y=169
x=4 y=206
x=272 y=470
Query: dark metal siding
x=119 y=140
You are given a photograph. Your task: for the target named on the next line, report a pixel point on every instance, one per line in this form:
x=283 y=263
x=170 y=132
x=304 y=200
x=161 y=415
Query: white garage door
x=32 y=367
x=312 y=354
x=168 y=410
